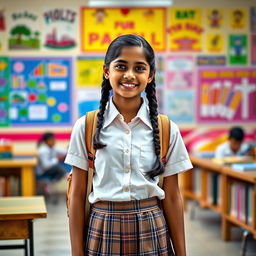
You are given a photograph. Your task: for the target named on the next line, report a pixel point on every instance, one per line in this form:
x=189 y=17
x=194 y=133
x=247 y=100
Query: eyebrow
x=124 y=61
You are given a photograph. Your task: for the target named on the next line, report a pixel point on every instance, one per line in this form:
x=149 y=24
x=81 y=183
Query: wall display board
x=4 y=91
x=238 y=49
x=89 y=71
x=179 y=72
x=185 y=28
x=40 y=91
x=24 y=31
x=226 y=95
x=179 y=105
x=101 y=25
x=60 y=28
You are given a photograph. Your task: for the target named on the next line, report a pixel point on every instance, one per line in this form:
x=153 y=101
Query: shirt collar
x=111 y=113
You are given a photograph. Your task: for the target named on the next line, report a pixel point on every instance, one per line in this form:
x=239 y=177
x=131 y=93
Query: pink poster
x=226 y=95
x=179 y=72
x=253 y=49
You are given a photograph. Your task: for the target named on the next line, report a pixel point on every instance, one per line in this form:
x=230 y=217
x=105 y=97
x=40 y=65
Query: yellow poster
x=185 y=28
x=89 y=71
x=238 y=18
x=100 y=26
x=215 y=42
x=215 y=18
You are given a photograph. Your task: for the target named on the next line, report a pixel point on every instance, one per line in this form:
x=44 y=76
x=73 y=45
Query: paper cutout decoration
x=238 y=49
x=253 y=19
x=238 y=18
x=215 y=18
x=215 y=42
x=253 y=49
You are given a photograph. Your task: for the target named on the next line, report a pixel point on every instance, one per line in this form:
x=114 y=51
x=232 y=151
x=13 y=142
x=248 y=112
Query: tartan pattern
x=128 y=228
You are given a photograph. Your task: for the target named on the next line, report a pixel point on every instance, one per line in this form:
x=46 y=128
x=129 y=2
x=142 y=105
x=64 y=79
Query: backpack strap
x=164 y=134
x=90 y=127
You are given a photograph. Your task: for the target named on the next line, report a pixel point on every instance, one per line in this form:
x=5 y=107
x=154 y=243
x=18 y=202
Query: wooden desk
x=27 y=174
x=16 y=219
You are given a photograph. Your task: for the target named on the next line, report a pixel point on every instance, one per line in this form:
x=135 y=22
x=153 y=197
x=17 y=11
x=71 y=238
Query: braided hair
x=114 y=50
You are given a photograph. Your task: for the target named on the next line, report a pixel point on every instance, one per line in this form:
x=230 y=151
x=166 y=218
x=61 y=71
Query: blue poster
x=40 y=91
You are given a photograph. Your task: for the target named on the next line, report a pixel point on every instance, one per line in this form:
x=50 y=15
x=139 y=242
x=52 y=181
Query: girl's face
x=129 y=73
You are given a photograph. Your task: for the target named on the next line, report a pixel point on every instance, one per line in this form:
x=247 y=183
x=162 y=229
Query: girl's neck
x=128 y=108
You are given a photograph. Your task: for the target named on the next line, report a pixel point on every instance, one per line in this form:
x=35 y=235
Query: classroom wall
x=32 y=133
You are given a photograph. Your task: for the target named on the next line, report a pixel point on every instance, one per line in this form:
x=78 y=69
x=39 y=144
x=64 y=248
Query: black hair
x=45 y=137
x=236 y=133
x=114 y=50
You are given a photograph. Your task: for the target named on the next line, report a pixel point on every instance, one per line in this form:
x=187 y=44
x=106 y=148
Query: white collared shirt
x=224 y=150
x=120 y=167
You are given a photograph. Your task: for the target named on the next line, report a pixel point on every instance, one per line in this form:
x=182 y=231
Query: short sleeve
x=177 y=156
x=77 y=153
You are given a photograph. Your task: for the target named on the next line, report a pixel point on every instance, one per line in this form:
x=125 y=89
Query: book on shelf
x=242 y=167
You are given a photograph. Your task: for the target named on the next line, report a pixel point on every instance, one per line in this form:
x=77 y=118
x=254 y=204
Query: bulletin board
x=40 y=91
x=4 y=91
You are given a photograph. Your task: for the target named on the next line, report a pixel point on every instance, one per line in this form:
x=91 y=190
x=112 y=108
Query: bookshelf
x=230 y=193
x=18 y=172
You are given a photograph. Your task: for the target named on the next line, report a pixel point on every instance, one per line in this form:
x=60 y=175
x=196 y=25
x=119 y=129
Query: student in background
x=50 y=158
x=234 y=146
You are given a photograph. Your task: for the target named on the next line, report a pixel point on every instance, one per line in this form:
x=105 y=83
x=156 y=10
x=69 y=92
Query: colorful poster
x=60 y=28
x=41 y=91
x=211 y=60
x=185 y=28
x=226 y=95
x=238 y=18
x=253 y=19
x=4 y=91
x=179 y=105
x=215 y=18
x=100 y=26
x=88 y=100
x=253 y=49
x=215 y=42
x=238 y=49
x=24 y=31
x=160 y=68
x=89 y=71
x=179 y=72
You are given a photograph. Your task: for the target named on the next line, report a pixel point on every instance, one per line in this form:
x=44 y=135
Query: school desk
x=16 y=220
x=25 y=167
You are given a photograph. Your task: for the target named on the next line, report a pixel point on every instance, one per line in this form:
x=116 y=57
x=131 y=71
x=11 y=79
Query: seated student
x=49 y=158
x=234 y=146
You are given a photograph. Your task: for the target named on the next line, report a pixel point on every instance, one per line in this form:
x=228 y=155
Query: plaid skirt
x=129 y=228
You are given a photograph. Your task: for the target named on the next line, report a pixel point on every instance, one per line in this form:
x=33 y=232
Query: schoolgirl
x=125 y=217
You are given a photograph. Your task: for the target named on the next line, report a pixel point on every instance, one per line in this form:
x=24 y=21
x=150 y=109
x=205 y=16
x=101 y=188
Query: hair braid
x=150 y=90
x=105 y=88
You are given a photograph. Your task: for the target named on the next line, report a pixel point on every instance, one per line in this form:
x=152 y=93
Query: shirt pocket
x=147 y=158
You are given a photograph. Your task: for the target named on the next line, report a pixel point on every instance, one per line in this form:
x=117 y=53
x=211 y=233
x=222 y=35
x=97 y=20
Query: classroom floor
x=202 y=235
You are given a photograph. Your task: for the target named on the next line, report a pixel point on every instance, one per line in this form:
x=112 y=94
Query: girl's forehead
x=132 y=53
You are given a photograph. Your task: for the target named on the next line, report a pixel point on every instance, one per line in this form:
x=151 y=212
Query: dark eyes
x=122 y=67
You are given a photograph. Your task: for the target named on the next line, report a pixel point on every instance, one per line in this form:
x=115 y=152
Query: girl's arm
x=76 y=211
x=173 y=212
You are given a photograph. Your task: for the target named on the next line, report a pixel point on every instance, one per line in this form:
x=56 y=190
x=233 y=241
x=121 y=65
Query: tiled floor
x=202 y=234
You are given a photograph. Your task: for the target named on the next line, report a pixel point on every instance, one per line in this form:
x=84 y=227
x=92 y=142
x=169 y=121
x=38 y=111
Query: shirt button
x=126 y=150
x=126 y=189
x=127 y=131
x=126 y=170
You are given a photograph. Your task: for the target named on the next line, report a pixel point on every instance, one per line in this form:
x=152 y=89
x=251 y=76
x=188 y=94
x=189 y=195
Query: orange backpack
x=90 y=124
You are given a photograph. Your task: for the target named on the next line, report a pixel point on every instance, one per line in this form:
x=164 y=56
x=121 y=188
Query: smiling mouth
x=128 y=85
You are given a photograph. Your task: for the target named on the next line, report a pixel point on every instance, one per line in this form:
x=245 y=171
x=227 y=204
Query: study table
x=16 y=220
x=25 y=167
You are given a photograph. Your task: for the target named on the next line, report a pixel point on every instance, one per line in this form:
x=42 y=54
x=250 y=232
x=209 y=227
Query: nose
x=129 y=75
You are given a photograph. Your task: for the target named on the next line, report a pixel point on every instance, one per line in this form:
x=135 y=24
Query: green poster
x=238 y=49
x=4 y=91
